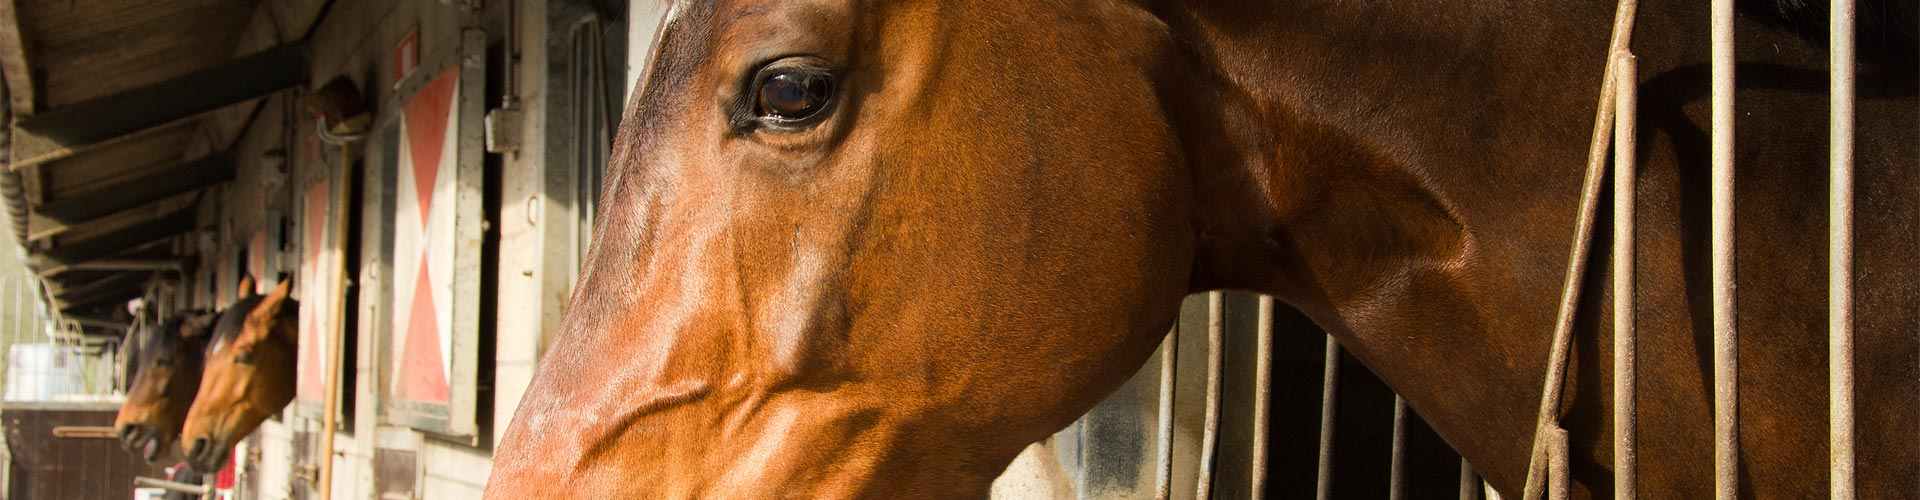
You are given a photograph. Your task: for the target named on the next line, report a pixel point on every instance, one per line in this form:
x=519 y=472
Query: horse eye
x=244 y=357
x=792 y=94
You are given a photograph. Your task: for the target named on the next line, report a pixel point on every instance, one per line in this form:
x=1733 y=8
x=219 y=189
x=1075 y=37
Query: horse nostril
x=128 y=434
x=199 y=445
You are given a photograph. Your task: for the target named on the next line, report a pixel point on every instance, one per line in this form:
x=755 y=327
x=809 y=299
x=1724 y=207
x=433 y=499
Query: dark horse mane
x=153 y=339
x=232 y=321
x=1887 y=32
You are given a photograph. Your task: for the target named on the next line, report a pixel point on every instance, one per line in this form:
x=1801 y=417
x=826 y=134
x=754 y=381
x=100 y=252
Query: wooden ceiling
x=57 y=54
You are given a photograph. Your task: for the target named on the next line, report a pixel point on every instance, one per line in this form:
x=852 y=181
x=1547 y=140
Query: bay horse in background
x=165 y=360
x=250 y=371
x=874 y=249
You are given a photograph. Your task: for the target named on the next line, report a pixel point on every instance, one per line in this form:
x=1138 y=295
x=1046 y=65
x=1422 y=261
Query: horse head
x=165 y=362
x=832 y=233
x=249 y=375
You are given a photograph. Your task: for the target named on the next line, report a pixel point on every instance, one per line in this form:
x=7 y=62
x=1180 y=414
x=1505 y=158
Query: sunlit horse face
x=833 y=234
x=249 y=375
x=166 y=360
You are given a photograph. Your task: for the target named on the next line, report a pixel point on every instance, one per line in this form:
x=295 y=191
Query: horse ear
x=276 y=300
x=247 y=288
x=197 y=324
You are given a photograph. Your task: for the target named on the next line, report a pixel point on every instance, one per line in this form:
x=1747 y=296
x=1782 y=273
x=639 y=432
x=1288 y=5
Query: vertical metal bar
x=1558 y=481
x=1163 y=461
x=1840 y=252
x=1262 y=399
x=1329 y=397
x=1574 y=279
x=1726 y=356
x=1216 y=353
x=1469 y=482
x=1624 y=176
x=1396 y=466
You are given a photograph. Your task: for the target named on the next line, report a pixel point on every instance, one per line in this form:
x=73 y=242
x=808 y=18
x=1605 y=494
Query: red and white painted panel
x=425 y=237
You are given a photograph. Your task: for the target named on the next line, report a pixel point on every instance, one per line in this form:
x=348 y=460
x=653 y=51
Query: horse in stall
x=250 y=368
x=874 y=249
x=165 y=361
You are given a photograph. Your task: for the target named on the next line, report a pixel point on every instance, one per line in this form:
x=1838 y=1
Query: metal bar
x=1559 y=482
x=1625 y=175
x=1602 y=134
x=1469 y=482
x=1262 y=399
x=1840 y=252
x=149 y=482
x=1163 y=460
x=1216 y=353
x=1329 y=398
x=1396 y=467
x=83 y=432
x=1726 y=368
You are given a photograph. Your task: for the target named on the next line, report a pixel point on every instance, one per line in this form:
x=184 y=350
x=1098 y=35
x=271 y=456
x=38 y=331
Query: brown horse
x=873 y=249
x=249 y=375
x=165 y=360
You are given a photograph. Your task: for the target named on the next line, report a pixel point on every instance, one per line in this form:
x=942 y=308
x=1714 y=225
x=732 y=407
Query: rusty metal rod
x=1216 y=352
x=1840 y=252
x=1625 y=172
x=84 y=432
x=1726 y=356
x=194 y=489
x=1396 y=466
x=1262 y=401
x=1469 y=482
x=1329 y=400
x=1163 y=461
x=1558 y=482
x=1574 y=278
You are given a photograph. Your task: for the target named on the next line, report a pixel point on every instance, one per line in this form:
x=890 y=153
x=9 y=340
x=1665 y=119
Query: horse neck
x=1347 y=159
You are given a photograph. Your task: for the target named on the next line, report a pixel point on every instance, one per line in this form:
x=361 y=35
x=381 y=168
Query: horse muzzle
x=207 y=454
x=144 y=441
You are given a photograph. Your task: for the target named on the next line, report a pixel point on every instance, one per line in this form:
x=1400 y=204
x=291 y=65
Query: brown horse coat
x=872 y=249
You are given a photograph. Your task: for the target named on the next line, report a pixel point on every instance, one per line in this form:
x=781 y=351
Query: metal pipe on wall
x=1840 y=251
x=1625 y=171
x=1726 y=356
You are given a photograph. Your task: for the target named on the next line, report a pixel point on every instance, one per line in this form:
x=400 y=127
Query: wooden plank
x=115 y=243
x=59 y=132
x=135 y=193
x=14 y=60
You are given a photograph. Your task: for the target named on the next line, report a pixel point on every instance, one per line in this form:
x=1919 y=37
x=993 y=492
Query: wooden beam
x=58 y=133
x=14 y=61
x=134 y=193
x=112 y=282
x=164 y=264
x=112 y=244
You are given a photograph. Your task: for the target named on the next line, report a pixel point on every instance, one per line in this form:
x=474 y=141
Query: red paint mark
x=420 y=371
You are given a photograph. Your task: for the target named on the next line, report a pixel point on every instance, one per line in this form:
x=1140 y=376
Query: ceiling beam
x=77 y=209
x=13 y=60
x=112 y=244
x=59 y=133
x=93 y=291
x=98 y=323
